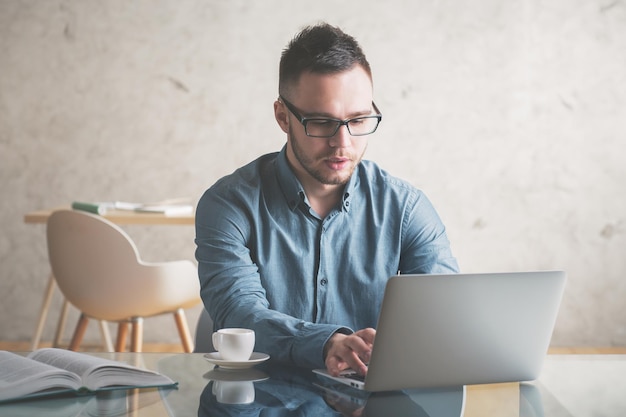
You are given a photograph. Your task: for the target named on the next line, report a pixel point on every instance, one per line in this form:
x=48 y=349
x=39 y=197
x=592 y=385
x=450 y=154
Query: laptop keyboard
x=349 y=373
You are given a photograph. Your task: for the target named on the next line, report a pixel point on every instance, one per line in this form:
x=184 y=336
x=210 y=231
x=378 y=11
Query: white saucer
x=255 y=358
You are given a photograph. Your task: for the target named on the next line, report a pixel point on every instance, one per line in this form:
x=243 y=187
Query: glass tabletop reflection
x=570 y=385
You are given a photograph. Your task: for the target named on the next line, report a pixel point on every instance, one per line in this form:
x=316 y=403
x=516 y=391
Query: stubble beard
x=308 y=164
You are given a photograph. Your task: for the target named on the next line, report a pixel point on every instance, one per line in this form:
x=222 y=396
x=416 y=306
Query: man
x=298 y=245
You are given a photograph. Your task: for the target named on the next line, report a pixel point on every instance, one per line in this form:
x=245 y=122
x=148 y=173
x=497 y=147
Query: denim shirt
x=268 y=262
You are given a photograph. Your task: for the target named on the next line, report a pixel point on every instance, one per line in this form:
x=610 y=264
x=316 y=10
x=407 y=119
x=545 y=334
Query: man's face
x=346 y=95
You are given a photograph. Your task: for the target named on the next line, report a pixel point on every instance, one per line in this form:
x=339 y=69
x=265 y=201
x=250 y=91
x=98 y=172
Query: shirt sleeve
x=232 y=292
x=426 y=248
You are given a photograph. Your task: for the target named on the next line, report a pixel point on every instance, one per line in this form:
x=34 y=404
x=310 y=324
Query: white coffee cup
x=234 y=344
x=233 y=392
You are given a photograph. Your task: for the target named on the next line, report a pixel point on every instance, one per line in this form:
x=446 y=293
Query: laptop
x=460 y=329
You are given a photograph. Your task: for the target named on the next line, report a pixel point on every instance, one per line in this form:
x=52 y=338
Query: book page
x=111 y=376
x=97 y=372
x=20 y=376
x=75 y=362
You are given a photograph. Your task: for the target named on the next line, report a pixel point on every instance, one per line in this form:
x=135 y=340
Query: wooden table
x=120 y=217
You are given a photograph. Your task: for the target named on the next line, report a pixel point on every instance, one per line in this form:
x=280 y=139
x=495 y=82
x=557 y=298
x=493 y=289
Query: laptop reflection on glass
x=460 y=329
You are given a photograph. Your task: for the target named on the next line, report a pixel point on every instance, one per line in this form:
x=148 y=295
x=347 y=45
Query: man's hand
x=349 y=351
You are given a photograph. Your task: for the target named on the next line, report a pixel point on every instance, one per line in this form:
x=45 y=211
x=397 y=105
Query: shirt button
x=324 y=281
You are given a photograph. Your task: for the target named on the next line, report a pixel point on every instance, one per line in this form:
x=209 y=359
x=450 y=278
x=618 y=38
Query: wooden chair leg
x=136 y=337
x=183 y=330
x=122 y=332
x=81 y=327
x=106 y=336
x=61 y=324
x=43 y=313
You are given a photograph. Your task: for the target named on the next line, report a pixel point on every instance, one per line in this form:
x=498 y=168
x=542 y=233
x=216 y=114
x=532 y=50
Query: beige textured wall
x=509 y=114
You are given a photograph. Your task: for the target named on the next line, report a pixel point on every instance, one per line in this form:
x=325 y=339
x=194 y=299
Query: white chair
x=98 y=269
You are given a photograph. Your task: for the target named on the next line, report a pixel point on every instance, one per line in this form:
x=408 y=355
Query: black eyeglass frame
x=304 y=120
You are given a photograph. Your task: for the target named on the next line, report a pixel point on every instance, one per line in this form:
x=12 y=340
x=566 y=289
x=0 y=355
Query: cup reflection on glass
x=234 y=344
x=233 y=392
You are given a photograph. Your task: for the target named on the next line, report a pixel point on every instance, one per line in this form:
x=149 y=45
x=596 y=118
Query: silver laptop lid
x=457 y=329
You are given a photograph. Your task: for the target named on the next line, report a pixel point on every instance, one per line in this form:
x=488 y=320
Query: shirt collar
x=293 y=190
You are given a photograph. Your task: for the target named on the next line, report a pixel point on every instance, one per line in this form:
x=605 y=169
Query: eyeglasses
x=326 y=127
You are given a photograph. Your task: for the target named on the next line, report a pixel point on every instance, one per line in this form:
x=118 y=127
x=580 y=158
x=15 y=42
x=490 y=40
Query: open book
x=50 y=371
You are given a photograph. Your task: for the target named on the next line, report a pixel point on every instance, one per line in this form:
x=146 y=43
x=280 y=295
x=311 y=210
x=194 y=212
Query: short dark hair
x=320 y=49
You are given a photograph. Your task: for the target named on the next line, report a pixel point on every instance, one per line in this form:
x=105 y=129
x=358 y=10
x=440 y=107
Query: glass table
x=570 y=385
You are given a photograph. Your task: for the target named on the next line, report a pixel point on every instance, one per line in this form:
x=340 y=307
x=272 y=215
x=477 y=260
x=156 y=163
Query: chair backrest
x=74 y=233
x=96 y=264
